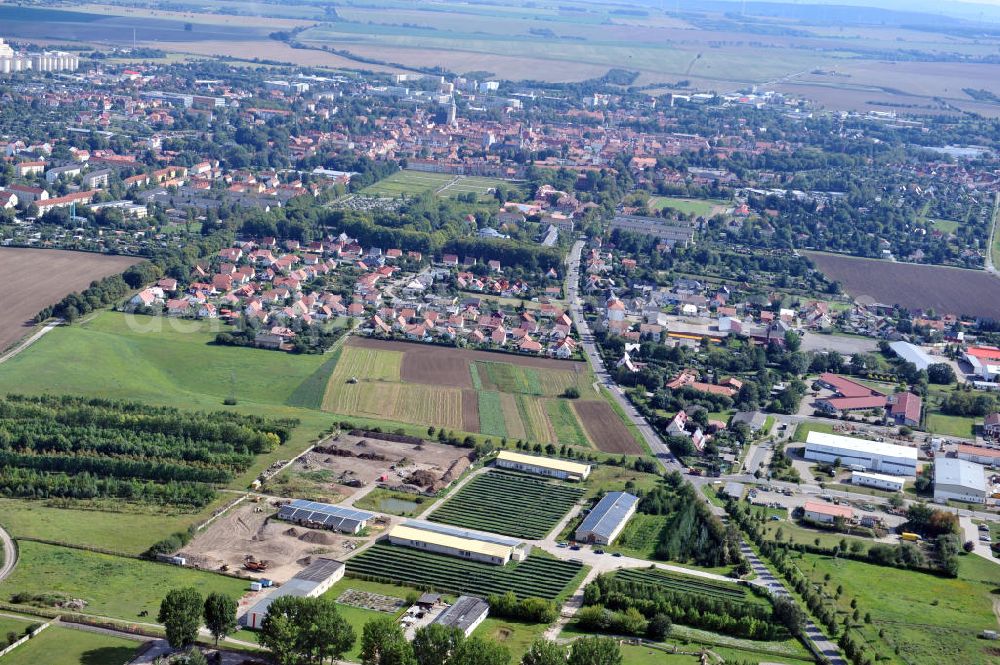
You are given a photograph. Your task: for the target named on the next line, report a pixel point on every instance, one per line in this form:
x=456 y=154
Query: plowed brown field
x=31 y=279
x=605 y=428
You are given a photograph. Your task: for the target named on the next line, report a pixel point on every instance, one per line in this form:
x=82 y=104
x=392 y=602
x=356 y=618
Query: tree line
x=311 y=631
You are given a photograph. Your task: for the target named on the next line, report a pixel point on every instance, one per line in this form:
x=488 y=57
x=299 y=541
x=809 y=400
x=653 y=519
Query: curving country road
x=9 y=555
x=662 y=453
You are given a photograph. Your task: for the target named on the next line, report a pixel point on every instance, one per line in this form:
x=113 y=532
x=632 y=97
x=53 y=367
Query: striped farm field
x=536 y=423
x=565 y=423
x=677 y=583
x=366 y=365
x=510 y=378
x=510 y=504
x=405 y=403
x=535 y=576
x=491 y=420
x=511 y=417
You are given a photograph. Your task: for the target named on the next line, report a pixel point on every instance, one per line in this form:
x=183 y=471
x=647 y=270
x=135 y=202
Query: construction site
x=338 y=468
x=249 y=539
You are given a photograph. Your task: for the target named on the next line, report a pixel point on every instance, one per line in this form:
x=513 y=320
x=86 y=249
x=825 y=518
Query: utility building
x=607 y=519
x=312 y=581
x=869 y=455
x=543 y=466
x=959 y=479
x=878 y=481
x=459 y=543
x=465 y=614
x=325 y=516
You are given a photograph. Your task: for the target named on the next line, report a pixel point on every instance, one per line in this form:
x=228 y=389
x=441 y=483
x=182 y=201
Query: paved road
x=655 y=443
x=9 y=555
x=659 y=449
x=990 y=267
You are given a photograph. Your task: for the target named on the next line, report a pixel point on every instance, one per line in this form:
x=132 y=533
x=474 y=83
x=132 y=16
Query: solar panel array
x=337 y=518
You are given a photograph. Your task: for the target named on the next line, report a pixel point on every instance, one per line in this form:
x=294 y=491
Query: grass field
x=128 y=532
x=535 y=576
x=929 y=619
x=491 y=415
x=698 y=207
x=803 y=429
x=112 y=586
x=515 y=635
x=565 y=423
x=509 y=504
x=10 y=623
x=169 y=363
x=66 y=646
x=367 y=365
x=415 y=183
x=640 y=536
x=939 y=423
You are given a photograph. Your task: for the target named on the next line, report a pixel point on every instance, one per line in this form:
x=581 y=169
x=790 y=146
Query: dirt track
x=605 y=428
x=31 y=279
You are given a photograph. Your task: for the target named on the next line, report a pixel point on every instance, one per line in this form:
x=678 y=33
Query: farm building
x=312 y=581
x=991 y=425
x=826 y=513
x=878 y=481
x=905 y=409
x=912 y=353
x=543 y=466
x=607 y=519
x=325 y=516
x=979 y=454
x=959 y=479
x=871 y=455
x=985 y=361
x=849 y=395
x=461 y=543
x=465 y=614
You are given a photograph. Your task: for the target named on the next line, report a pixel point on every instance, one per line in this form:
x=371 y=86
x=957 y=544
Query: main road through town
x=660 y=450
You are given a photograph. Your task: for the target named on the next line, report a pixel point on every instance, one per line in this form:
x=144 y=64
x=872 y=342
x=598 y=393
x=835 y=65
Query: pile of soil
x=318 y=538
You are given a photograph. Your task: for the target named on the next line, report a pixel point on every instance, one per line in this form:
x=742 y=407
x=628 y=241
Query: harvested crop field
x=415 y=404
x=605 y=429
x=35 y=278
x=448 y=366
x=945 y=290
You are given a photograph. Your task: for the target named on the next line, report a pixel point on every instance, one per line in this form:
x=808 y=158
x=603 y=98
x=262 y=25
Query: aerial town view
x=521 y=332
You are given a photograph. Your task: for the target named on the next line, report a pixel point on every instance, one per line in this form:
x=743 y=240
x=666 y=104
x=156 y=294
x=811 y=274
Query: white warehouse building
x=460 y=543
x=543 y=466
x=878 y=481
x=912 y=353
x=875 y=456
x=311 y=582
x=959 y=479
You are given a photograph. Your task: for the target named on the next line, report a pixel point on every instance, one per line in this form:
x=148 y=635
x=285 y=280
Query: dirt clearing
x=32 y=279
x=606 y=429
x=286 y=547
x=337 y=469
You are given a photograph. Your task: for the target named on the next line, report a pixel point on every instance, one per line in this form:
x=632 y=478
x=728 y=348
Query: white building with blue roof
x=607 y=519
